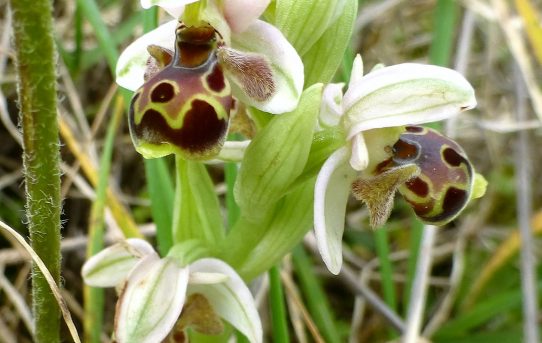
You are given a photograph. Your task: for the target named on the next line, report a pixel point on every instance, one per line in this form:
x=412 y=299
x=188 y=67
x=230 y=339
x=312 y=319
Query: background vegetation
x=477 y=267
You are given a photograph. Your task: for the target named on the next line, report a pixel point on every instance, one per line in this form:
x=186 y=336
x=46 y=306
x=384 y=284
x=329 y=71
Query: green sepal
x=196 y=209
x=291 y=219
x=277 y=156
x=187 y=252
x=324 y=143
x=304 y=21
x=325 y=56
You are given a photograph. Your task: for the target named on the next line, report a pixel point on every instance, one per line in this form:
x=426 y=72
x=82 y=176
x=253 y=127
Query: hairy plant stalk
x=35 y=54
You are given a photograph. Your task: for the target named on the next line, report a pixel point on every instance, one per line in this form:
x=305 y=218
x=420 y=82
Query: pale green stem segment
x=94 y=297
x=35 y=55
x=196 y=211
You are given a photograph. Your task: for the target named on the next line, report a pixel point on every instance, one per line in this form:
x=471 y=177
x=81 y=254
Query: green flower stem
x=94 y=297
x=278 y=308
x=35 y=55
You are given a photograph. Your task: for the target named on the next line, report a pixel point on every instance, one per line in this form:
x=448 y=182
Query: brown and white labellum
x=445 y=181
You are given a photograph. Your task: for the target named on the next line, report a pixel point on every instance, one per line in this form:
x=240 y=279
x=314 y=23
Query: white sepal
x=265 y=39
x=151 y=302
x=174 y=7
x=230 y=299
x=405 y=94
x=133 y=60
x=330 y=196
x=241 y=13
x=111 y=266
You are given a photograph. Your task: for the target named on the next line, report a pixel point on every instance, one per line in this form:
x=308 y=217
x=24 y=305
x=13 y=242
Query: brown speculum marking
x=418 y=186
x=452 y=157
x=215 y=80
x=405 y=151
x=163 y=92
x=201 y=128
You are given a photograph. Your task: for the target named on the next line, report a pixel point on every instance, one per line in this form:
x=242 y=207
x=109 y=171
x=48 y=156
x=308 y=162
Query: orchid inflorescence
x=311 y=147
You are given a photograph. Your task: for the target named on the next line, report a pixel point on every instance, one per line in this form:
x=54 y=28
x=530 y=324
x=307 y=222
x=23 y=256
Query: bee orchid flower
x=161 y=296
x=378 y=155
x=189 y=72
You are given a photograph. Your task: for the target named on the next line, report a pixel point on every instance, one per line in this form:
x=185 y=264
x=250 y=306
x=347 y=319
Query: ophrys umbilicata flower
x=154 y=291
x=372 y=114
x=185 y=74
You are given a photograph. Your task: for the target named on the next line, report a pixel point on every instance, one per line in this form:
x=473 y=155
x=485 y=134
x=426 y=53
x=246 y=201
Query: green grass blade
x=386 y=270
x=443 y=32
x=94 y=297
x=106 y=42
x=278 y=308
x=315 y=296
x=481 y=313
x=150 y=19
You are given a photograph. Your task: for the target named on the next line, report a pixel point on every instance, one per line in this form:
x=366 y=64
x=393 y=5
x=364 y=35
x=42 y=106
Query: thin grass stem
x=94 y=297
x=419 y=286
x=524 y=211
x=315 y=296
x=278 y=308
